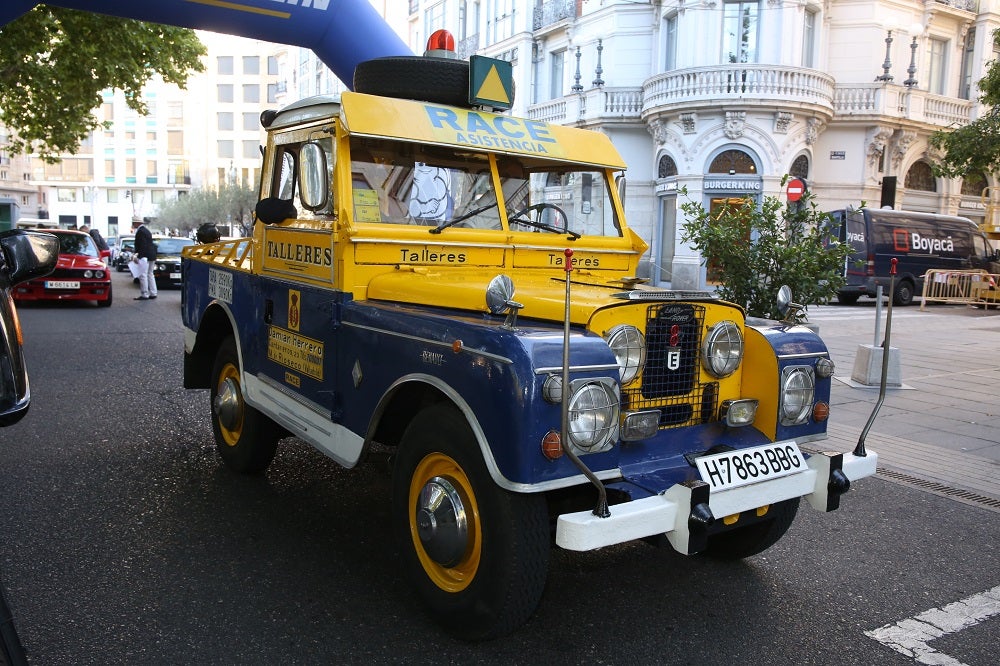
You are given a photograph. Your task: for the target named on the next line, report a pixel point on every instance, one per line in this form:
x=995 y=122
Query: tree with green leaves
x=229 y=205
x=754 y=249
x=55 y=62
x=974 y=148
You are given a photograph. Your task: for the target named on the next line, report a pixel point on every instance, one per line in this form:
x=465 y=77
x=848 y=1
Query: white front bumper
x=668 y=512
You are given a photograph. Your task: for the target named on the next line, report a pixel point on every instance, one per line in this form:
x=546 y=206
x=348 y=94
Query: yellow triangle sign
x=492 y=88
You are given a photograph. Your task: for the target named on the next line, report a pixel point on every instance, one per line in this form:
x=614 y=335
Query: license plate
x=61 y=284
x=175 y=276
x=733 y=469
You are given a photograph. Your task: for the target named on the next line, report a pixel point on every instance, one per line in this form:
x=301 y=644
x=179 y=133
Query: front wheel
x=246 y=439
x=106 y=303
x=756 y=537
x=476 y=554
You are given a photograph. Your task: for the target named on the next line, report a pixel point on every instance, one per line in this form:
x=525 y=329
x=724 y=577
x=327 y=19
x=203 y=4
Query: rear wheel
x=246 y=439
x=755 y=538
x=476 y=554
x=903 y=295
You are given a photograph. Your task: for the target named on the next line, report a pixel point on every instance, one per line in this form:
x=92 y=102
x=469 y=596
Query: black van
x=920 y=242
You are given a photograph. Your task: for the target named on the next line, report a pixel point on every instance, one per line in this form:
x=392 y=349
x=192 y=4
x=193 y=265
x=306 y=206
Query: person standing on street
x=145 y=253
x=96 y=235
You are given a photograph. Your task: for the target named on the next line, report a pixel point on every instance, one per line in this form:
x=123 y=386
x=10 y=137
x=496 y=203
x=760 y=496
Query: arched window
x=732 y=162
x=666 y=168
x=920 y=178
x=800 y=167
x=973 y=185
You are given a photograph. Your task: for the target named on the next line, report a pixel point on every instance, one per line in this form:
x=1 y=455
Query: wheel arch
x=411 y=394
x=217 y=324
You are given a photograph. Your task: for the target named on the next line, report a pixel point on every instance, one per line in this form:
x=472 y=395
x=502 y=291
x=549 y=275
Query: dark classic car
x=80 y=273
x=168 y=259
x=23 y=255
x=122 y=253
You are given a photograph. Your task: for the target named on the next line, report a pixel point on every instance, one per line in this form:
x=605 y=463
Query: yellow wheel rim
x=229 y=405
x=440 y=493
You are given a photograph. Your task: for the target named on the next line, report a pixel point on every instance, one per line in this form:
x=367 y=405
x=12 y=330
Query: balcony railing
x=749 y=84
x=877 y=99
x=604 y=105
x=552 y=11
x=965 y=5
x=467 y=46
x=779 y=87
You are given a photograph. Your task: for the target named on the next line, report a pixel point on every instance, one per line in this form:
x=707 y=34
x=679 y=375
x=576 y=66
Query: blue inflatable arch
x=342 y=33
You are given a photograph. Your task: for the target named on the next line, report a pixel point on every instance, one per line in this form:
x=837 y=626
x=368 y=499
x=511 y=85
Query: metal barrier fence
x=971 y=287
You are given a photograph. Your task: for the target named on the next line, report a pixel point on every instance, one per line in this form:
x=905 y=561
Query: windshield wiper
x=521 y=218
x=455 y=220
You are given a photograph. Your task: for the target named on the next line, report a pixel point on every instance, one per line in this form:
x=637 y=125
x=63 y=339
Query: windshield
x=171 y=245
x=565 y=197
x=400 y=183
x=438 y=187
x=77 y=244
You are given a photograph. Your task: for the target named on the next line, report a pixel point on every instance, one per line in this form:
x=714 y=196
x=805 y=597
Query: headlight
x=98 y=274
x=722 y=350
x=593 y=416
x=629 y=348
x=159 y=267
x=88 y=274
x=797 y=394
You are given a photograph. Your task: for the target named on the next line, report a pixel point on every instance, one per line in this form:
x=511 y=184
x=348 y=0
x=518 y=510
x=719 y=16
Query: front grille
x=68 y=274
x=673 y=359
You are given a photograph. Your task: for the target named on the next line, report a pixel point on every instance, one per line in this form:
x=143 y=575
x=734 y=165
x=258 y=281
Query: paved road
x=941 y=428
x=125 y=542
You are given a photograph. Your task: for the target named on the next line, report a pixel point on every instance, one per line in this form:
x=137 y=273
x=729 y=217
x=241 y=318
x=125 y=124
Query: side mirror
x=28 y=254
x=314 y=186
x=790 y=312
x=784 y=299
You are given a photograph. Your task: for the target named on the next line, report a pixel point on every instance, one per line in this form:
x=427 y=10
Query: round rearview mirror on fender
x=314 y=185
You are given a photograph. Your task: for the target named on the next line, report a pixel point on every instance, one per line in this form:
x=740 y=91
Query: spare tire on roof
x=438 y=80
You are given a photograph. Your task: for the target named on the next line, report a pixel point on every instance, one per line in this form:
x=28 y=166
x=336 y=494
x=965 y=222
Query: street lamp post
x=91 y=191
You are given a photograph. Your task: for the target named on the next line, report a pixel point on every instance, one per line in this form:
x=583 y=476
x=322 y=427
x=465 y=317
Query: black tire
x=485 y=580
x=106 y=303
x=755 y=538
x=437 y=80
x=903 y=294
x=246 y=439
x=848 y=299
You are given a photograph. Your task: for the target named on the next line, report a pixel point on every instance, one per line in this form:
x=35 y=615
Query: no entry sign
x=795 y=189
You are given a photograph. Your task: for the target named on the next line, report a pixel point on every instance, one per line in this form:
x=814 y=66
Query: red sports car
x=80 y=274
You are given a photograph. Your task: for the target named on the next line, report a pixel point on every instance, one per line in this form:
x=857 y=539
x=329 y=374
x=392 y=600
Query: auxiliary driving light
x=640 y=425
x=824 y=368
x=738 y=412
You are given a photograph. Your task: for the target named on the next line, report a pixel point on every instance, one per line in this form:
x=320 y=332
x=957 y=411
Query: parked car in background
x=919 y=242
x=23 y=255
x=124 y=250
x=168 y=259
x=80 y=273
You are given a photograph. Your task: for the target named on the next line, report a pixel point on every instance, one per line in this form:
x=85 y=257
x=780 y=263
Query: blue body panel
x=789 y=342
x=369 y=347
